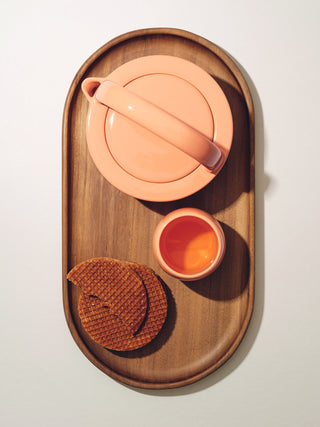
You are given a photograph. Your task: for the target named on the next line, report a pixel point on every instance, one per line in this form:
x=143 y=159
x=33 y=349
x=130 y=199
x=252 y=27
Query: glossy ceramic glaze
x=158 y=121
x=189 y=244
x=159 y=127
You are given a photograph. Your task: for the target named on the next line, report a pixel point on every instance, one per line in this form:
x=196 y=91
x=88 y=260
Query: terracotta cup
x=189 y=244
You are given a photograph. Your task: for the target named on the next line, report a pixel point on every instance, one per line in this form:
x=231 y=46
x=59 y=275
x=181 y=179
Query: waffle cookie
x=107 y=329
x=116 y=285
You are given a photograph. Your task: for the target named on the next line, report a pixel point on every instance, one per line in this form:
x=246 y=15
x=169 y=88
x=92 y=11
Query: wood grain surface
x=208 y=318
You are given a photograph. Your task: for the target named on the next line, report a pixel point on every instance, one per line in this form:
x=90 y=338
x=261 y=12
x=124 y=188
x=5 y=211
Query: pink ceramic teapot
x=159 y=128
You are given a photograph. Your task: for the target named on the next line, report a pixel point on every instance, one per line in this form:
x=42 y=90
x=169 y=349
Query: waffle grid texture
x=107 y=327
x=114 y=283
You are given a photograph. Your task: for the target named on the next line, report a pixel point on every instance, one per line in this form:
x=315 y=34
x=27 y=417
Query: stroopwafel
x=107 y=329
x=116 y=286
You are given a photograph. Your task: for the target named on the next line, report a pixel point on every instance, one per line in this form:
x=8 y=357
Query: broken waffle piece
x=116 y=286
x=107 y=329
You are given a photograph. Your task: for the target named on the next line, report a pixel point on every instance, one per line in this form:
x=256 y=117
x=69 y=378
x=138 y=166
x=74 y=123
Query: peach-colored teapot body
x=159 y=128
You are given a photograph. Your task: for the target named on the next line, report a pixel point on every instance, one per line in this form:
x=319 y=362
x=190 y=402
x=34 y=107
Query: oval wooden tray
x=206 y=319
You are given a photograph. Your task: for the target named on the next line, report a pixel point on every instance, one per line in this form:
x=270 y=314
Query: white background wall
x=273 y=379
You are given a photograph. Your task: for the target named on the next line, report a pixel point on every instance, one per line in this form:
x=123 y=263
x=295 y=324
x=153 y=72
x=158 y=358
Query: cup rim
x=214 y=225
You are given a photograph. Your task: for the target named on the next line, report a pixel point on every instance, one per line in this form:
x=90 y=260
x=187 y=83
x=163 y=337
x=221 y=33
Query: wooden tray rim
x=65 y=177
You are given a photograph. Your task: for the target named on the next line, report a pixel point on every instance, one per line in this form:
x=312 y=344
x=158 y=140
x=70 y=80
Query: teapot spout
x=89 y=87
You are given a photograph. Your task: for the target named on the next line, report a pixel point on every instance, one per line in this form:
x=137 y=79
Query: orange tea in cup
x=189 y=244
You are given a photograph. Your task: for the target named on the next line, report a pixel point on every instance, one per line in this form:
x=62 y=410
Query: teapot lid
x=145 y=161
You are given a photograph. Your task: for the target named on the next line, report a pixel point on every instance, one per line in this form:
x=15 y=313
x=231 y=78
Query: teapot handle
x=155 y=119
